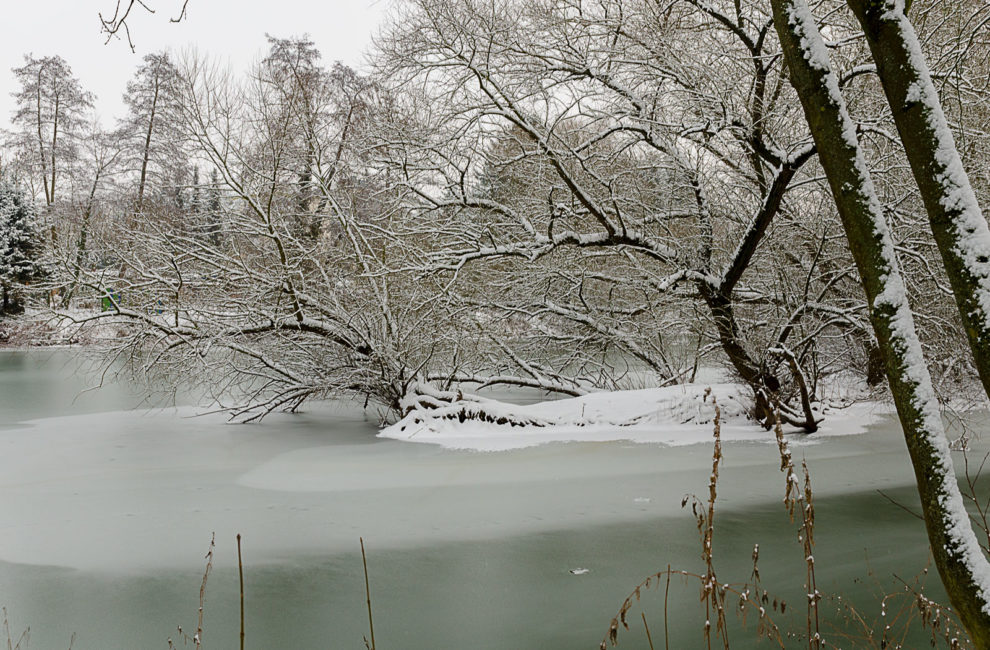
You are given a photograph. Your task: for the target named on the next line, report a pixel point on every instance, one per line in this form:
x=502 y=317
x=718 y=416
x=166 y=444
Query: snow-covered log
x=681 y=414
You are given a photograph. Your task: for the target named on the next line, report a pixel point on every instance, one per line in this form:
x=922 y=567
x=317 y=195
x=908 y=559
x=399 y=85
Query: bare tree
x=652 y=154
x=152 y=126
x=585 y=196
x=50 y=109
x=265 y=315
x=99 y=165
x=322 y=109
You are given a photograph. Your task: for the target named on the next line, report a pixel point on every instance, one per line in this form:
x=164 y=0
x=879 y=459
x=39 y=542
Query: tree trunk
x=54 y=145
x=960 y=230
x=724 y=317
x=874 y=364
x=146 y=153
x=765 y=384
x=81 y=243
x=960 y=561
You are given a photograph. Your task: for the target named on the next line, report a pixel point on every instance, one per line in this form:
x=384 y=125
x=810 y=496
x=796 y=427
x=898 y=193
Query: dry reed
x=23 y=638
x=240 y=576
x=713 y=592
x=898 y=611
x=367 y=593
x=197 y=638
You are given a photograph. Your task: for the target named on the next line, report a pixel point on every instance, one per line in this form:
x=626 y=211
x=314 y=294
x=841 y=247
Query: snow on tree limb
x=958 y=556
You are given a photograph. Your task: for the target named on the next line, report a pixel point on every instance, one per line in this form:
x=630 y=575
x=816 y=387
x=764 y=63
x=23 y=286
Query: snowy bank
x=42 y=328
x=675 y=415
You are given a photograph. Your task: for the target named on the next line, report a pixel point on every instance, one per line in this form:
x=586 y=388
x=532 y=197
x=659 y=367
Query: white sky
x=232 y=30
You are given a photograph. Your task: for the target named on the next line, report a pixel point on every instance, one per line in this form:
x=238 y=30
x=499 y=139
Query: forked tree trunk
x=960 y=230
x=960 y=561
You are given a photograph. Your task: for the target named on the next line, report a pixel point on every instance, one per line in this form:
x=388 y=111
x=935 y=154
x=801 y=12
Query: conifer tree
x=18 y=245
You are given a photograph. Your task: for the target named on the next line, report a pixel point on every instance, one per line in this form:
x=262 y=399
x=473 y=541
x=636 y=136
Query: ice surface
x=123 y=490
x=127 y=502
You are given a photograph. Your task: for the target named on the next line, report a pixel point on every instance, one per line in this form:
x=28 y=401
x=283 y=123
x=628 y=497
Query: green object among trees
x=109 y=301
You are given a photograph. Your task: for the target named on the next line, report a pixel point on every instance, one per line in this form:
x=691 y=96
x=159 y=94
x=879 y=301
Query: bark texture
x=960 y=231
x=957 y=555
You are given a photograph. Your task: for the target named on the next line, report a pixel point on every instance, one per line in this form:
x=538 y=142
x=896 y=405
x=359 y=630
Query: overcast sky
x=231 y=29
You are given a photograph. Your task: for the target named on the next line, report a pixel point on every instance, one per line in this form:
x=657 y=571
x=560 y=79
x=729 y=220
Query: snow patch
x=672 y=416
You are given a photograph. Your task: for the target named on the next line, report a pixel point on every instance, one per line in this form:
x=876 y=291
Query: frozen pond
x=107 y=513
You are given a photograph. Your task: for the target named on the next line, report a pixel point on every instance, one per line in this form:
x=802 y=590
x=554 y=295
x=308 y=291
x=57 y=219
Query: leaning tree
x=960 y=231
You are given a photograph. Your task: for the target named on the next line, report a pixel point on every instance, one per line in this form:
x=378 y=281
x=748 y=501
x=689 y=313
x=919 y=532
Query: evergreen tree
x=18 y=244
x=195 y=199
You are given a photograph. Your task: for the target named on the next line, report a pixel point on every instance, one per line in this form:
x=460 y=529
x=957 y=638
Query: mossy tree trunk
x=960 y=231
x=958 y=557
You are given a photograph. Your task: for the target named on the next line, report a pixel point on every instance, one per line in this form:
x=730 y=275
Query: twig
x=240 y=575
x=900 y=505
x=111 y=26
x=646 y=625
x=182 y=14
x=367 y=592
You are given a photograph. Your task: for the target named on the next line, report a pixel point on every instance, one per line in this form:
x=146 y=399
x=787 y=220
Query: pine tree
x=18 y=244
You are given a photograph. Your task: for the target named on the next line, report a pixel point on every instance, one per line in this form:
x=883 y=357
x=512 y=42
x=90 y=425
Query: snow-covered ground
x=673 y=416
x=37 y=328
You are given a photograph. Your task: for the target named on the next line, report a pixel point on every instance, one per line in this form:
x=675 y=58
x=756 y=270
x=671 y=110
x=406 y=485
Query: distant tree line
x=548 y=195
